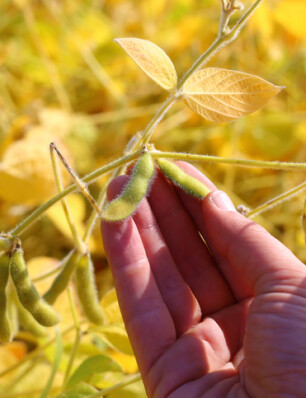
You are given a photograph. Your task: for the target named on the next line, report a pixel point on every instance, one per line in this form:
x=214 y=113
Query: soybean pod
x=27 y=293
x=61 y=281
x=136 y=188
x=86 y=290
x=28 y=323
x=185 y=181
x=5 y=328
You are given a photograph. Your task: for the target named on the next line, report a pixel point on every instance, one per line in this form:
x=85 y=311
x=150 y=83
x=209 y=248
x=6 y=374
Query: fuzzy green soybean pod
x=86 y=290
x=60 y=283
x=5 y=327
x=136 y=188
x=29 y=324
x=185 y=181
x=27 y=293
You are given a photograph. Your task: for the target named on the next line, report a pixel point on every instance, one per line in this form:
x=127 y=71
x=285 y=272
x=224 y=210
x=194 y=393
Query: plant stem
x=77 y=340
x=59 y=185
x=242 y=21
x=86 y=53
x=156 y=119
x=88 y=178
x=50 y=67
x=222 y=40
x=54 y=270
x=94 y=215
x=277 y=200
x=118 y=386
x=56 y=363
x=37 y=351
x=234 y=162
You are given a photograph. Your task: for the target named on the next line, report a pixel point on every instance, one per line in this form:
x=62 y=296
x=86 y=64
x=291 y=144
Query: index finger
x=140 y=300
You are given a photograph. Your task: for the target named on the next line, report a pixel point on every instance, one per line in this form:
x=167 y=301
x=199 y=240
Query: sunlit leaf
x=91 y=366
x=152 y=60
x=81 y=390
x=110 y=307
x=26 y=175
x=115 y=335
x=127 y=362
x=222 y=95
x=77 y=209
x=134 y=390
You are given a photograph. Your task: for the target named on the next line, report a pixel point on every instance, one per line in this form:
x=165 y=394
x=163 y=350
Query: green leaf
x=81 y=390
x=91 y=366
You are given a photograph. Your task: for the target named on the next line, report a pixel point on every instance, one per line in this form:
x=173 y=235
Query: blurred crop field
x=64 y=79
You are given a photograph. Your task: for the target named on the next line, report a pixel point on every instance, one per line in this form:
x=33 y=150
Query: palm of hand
x=189 y=312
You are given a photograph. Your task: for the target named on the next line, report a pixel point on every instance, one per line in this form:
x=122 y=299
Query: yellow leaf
x=152 y=60
x=111 y=308
x=115 y=335
x=222 y=95
x=77 y=209
x=26 y=175
x=127 y=362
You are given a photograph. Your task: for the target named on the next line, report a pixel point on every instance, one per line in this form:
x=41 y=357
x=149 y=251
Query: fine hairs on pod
x=136 y=188
x=27 y=293
x=5 y=327
x=183 y=180
x=86 y=290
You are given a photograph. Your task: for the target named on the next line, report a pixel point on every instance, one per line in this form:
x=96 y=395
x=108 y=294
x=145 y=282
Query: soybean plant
x=216 y=94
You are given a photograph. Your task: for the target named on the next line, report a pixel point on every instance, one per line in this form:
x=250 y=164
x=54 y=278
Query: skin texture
x=223 y=322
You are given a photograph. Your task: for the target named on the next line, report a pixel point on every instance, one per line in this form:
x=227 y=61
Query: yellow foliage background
x=63 y=79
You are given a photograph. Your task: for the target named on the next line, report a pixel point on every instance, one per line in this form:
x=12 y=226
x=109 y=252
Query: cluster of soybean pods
x=34 y=312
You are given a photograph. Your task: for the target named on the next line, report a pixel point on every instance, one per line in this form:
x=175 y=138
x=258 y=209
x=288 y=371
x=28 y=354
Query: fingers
x=204 y=349
x=187 y=248
x=145 y=314
x=177 y=295
x=253 y=261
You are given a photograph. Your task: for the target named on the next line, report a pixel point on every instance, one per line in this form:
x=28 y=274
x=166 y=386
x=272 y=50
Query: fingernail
x=222 y=201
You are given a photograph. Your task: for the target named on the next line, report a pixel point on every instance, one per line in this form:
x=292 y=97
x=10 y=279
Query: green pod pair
x=134 y=191
x=5 y=327
x=60 y=283
x=86 y=290
x=27 y=293
x=183 y=180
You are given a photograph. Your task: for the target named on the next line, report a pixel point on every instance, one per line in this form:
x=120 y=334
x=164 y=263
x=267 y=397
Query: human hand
x=228 y=321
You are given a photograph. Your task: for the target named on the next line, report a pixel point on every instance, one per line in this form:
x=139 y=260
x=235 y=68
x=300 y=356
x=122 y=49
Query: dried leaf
x=152 y=60
x=222 y=95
